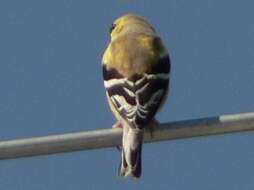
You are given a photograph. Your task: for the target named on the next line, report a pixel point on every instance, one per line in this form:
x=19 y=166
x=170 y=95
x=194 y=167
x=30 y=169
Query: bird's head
x=130 y=23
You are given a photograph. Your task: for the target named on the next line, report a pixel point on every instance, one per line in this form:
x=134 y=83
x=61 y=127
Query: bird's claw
x=152 y=126
x=118 y=124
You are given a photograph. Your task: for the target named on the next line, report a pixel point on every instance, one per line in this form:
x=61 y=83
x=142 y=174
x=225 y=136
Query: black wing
x=138 y=98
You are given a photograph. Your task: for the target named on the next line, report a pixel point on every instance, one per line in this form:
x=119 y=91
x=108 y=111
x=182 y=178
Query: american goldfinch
x=136 y=68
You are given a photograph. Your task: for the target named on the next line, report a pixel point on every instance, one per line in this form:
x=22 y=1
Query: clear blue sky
x=50 y=79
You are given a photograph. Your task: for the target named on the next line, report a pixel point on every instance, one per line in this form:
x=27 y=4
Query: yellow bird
x=136 y=67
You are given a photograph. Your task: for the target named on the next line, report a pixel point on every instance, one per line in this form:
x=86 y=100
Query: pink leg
x=118 y=124
x=152 y=125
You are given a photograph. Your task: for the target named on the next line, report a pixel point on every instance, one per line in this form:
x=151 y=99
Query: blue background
x=50 y=81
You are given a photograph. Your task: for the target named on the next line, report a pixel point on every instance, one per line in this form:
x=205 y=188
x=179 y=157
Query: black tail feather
x=123 y=167
x=136 y=172
x=135 y=169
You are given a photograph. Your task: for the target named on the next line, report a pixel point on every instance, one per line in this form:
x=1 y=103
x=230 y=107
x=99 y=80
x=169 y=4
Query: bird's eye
x=112 y=28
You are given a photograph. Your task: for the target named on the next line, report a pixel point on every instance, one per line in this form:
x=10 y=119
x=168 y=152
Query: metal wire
x=104 y=138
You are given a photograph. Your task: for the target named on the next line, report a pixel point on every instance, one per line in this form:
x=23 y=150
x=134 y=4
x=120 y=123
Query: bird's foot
x=152 y=126
x=118 y=124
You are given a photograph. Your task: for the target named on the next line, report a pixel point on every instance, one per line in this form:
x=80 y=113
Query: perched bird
x=136 y=69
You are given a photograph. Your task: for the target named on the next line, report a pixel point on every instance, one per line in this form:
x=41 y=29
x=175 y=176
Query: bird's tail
x=130 y=164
